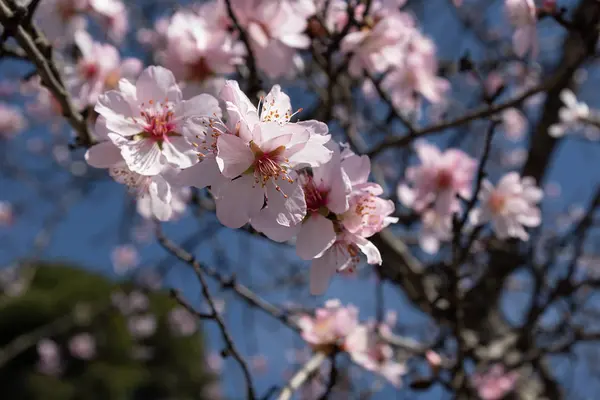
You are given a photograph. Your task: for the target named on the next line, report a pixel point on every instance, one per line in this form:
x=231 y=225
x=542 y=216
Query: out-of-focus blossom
x=571 y=114
x=155 y=37
x=369 y=350
x=61 y=19
x=510 y=206
x=142 y=326
x=131 y=303
x=514 y=123
x=7 y=215
x=150 y=122
x=438 y=180
x=214 y=362
x=182 y=322
x=437 y=227
x=434 y=360
x=124 y=258
x=276 y=32
x=12 y=121
x=45 y=107
x=49 y=362
x=179 y=201
x=495 y=383
x=195 y=51
x=99 y=68
x=522 y=15
x=82 y=346
x=330 y=325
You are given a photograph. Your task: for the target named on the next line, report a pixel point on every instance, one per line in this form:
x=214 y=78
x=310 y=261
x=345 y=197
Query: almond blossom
x=12 y=121
x=151 y=123
x=494 y=384
x=368 y=349
x=276 y=32
x=571 y=114
x=98 y=69
x=194 y=50
x=510 y=206
x=522 y=15
x=82 y=346
x=259 y=159
x=438 y=180
x=330 y=325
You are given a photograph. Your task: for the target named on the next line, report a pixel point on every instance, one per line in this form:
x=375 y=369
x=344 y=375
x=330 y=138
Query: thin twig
x=302 y=375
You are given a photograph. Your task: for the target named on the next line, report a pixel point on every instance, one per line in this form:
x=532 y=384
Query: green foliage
x=64 y=301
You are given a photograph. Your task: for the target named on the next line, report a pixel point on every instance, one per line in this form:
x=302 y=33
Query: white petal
x=143 y=156
x=157 y=84
x=322 y=270
x=288 y=210
x=202 y=105
x=116 y=109
x=103 y=155
x=238 y=201
x=179 y=152
x=205 y=173
x=316 y=236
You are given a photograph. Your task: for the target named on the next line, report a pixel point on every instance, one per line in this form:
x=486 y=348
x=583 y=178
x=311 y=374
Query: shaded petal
x=116 y=109
x=234 y=156
x=288 y=210
x=157 y=84
x=316 y=236
x=238 y=201
x=203 y=105
x=143 y=156
x=179 y=152
x=205 y=173
x=103 y=155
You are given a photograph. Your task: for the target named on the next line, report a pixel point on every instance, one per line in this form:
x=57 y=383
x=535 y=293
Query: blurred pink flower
x=133 y=302
x=83 y=346
x=514 y=123
x=182 y=322
x=510 y=206
x=330 y=325
x=369 y=350
x=49 y=361
x=12 y=121
x=438 y=180
x=7 y=216
x=495 y=383
x=124 y=258
x=522 y=15
x=276 y=31
x=142 y=326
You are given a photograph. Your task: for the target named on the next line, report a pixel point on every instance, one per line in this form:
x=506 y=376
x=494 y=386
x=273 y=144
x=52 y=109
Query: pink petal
x=322 y=270
x=238 y=201
x=143 y=156
x=103 y=155
x=234 y=156
x=157 y=84
x=315 y=237
x=203 y=174
x=179 y=152
x=116 y=109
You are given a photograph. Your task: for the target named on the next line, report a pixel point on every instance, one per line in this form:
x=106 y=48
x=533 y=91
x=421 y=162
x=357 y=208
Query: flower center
x=271 y=165
x=112 y=80
x=497 y=202
x=316 y=198
x=89 y=70
x=444 y=179
x=158 y=122
x=199 y=70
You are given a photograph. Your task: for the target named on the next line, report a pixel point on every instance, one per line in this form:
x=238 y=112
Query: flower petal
x=234 y=156
x=157 y=84
x=315 y=237
x=103 y=155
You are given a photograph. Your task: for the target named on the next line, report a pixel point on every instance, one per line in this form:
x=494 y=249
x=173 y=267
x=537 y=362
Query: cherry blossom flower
x=571 y=114
x=369 y=350
x=98 y=69
x=494 y=384
x=82 y=346
x=514 y=123
x=133 y=302
x=522 y=15
x=276 y=31
x=437 y=227
x=438 y=180
x=142 y=326
x=151 y=123
x=195 y=51
x=510 y=206
x=180 y=198
x=259 y=160
x=330 y=325
x=12 y=121
x=113 y=15
x=124 y=258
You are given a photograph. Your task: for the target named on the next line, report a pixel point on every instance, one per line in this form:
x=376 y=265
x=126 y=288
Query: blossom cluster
x=286 y=179
x=336 y=328
x=437 y=187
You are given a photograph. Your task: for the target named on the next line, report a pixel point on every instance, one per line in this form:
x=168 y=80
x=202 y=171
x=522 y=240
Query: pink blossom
x=276 y=31
x=368 y=213
x=49 y=362
x=515 y=124
x=510 y=206
x=151 y=123
x=130 y=303
x=83 y=346
x=98 y=69
x=330 y=325
x=142 y=326
x=45 y=106
x=6 y=214
x=571 y=114
x=523 y=16
x=12 y=121
x=438 y=180
x=195 y=50
x=437 y=227
x=182 y=322
x=180 y=198
x=368 y=349
x=495 y=383
x=112 y=14
x=124 y=258
x=263 y=153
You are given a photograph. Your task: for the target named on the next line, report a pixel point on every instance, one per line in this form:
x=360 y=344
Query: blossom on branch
x=522 y=14
x=510 y=206
x=330 y=325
